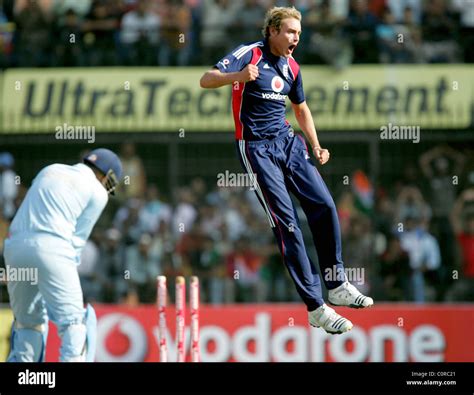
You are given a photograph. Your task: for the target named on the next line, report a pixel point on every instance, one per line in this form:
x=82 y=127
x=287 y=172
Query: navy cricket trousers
x=278 y=167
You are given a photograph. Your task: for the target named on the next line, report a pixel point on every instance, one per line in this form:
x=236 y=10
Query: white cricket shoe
x=326 y=318
x=348 y=295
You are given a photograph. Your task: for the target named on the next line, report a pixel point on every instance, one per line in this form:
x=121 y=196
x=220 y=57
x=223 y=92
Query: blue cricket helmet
x=108 y=163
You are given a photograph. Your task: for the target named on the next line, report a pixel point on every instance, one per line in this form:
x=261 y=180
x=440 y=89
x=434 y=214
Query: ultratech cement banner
x=280 y=332
x=170 y=99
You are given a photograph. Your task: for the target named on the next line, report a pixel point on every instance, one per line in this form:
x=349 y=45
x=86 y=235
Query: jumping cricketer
x=263 y=74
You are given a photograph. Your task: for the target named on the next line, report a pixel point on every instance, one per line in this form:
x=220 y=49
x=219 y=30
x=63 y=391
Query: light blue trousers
x=57 y=295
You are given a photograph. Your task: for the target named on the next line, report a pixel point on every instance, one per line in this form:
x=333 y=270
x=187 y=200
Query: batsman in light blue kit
x=48 y=234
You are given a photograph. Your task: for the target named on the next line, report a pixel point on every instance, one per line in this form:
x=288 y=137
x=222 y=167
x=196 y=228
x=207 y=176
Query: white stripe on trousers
x=253 y=179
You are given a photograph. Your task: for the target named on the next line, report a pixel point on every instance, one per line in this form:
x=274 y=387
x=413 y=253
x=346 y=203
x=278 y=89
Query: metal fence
x=171 y=161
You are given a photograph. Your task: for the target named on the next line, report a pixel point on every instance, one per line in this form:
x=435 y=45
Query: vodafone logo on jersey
x=277 y=87
x=277 y=84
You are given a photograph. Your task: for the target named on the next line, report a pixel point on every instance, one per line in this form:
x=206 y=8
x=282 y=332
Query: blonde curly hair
x=274 y=17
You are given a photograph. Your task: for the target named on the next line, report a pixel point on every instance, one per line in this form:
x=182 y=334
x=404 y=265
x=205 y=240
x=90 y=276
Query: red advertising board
x=280 y=332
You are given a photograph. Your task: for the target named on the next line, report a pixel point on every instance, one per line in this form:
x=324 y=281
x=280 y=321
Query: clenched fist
x=321 y=154
x=249 y=73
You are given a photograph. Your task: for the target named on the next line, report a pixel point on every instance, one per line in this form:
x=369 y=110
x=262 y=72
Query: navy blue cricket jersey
x=259 y=106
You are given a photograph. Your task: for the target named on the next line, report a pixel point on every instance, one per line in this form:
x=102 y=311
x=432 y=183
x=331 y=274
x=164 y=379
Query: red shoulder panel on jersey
x=294 y=67
x=237 y=96
x=256 y=55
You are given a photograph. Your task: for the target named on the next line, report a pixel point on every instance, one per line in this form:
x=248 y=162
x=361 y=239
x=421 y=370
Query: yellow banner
x=6 y=318
x=67 y=101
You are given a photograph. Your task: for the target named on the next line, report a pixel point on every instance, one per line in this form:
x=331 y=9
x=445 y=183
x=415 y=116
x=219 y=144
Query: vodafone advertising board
x=280 y=333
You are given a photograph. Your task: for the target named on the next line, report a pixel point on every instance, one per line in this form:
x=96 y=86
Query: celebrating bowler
x=263 y=75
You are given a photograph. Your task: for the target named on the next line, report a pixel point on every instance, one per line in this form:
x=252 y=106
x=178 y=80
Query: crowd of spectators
x=412 y=240
x=49 y=33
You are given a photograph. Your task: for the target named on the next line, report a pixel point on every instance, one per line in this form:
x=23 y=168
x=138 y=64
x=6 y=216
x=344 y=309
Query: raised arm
x=441 y=150
x=457 y=157
x=426 y=159
x=214 y=78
